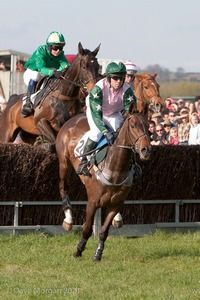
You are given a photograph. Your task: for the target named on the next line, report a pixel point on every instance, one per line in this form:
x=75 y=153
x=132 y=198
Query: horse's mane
x=12 y=100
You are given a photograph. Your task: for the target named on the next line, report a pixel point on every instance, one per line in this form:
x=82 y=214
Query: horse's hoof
x=67 y=226
x=96 y=259
x=117 y=224
x=77 y=254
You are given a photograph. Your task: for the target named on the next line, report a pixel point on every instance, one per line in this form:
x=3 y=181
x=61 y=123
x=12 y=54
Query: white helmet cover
x=131 y=68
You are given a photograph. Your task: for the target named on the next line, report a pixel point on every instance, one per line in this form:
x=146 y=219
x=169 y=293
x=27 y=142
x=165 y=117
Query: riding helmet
x=115 y=68
x=131 y=68
x=55 y=38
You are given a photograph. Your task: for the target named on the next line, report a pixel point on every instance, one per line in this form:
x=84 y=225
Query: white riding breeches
x=113 y=122
x=30 y=74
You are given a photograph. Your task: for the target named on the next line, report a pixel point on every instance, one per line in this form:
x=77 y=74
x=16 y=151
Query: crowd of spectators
x=177 y=124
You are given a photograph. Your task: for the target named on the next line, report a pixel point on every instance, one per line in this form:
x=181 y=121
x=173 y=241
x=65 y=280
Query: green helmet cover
x=55 y=38
x=115 y=68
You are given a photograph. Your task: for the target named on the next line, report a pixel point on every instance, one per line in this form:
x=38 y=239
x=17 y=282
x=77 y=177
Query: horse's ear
x=80 y=48
x=154 y=74
x=132 y=108
x=96 y=50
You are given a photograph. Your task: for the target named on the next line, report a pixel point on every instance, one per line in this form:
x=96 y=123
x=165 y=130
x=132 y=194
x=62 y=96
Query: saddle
x=42 y=90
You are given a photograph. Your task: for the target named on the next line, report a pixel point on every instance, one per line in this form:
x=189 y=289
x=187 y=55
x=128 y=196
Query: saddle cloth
x=97 y=156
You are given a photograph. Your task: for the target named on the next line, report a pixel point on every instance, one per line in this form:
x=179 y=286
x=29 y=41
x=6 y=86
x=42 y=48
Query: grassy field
x=158 y=267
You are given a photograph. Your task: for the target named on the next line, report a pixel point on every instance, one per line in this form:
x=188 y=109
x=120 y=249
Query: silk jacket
x=105 y=101
x=45 y=63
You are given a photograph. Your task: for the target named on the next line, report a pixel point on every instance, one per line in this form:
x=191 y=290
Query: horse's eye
x=146 y=87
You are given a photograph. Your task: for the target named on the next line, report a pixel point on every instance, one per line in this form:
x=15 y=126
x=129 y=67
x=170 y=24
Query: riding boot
x=27 y=108
x=82 y=168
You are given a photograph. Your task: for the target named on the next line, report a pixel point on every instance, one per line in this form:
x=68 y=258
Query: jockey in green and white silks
x=47 y=60
x=104 y=105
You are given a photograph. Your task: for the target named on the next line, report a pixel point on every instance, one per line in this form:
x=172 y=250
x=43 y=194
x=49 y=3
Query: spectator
x=172 y=119
x=183 y=127
x=197 y=104
x=168 y=102
x=167 y=126
x=192 y=108
x=181 y=103
x=152 y=130
x=157 y=118
x=174 y=107
x=194 y=133
x=20 y=66
x=173 y=136
x=165 y=114
x=160 y=138
x=3 y=66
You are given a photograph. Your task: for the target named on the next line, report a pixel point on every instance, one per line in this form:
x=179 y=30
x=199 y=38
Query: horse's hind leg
x=91 y=209
x=117 y=222
x=64 y=171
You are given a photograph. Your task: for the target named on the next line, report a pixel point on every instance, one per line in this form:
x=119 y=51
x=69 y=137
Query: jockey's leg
x=27 y=109
x=82 y=168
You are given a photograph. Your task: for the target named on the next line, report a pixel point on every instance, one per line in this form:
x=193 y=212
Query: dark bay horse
x=60 y=100
x=146 y=90
x=115 y=169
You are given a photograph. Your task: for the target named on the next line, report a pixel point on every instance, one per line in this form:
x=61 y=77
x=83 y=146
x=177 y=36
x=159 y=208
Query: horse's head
x=88 y=67
x=136 y=135
x=146 y=90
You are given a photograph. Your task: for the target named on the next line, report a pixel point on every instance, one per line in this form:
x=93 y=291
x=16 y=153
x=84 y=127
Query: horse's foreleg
x=87 y=228
x=104 y=234
x=46 y=130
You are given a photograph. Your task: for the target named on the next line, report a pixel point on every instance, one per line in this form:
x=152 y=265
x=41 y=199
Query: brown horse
x=146 y=90
x=110 y=180
x=60 y=100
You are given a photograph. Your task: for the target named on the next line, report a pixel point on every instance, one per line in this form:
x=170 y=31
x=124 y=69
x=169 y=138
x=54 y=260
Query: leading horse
x=60 y=100
x=146 y=90
x=110 y=180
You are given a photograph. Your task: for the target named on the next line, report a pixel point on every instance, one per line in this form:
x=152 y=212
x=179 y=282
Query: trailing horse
x=146 y=90
x=110 y=180
x=60 y=100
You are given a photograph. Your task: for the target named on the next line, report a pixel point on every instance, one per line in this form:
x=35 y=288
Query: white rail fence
x=126 y=230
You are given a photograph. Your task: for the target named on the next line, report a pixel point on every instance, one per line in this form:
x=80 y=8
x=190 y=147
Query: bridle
x=78 y=80
x=133 y=144
x=147 y=101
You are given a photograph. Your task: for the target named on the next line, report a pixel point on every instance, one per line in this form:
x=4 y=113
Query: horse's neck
x=118 y=159
x=70 y=85
x=142 y=104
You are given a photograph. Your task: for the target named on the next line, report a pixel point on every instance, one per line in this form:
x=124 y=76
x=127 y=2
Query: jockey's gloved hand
x=57 y=74
x=110 y=138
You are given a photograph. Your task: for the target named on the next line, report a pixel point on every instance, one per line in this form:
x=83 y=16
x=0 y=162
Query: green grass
x=158 y=267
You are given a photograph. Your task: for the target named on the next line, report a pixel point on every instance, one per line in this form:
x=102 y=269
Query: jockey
x=131 y=70
x=47 y=60
x=104 y=105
